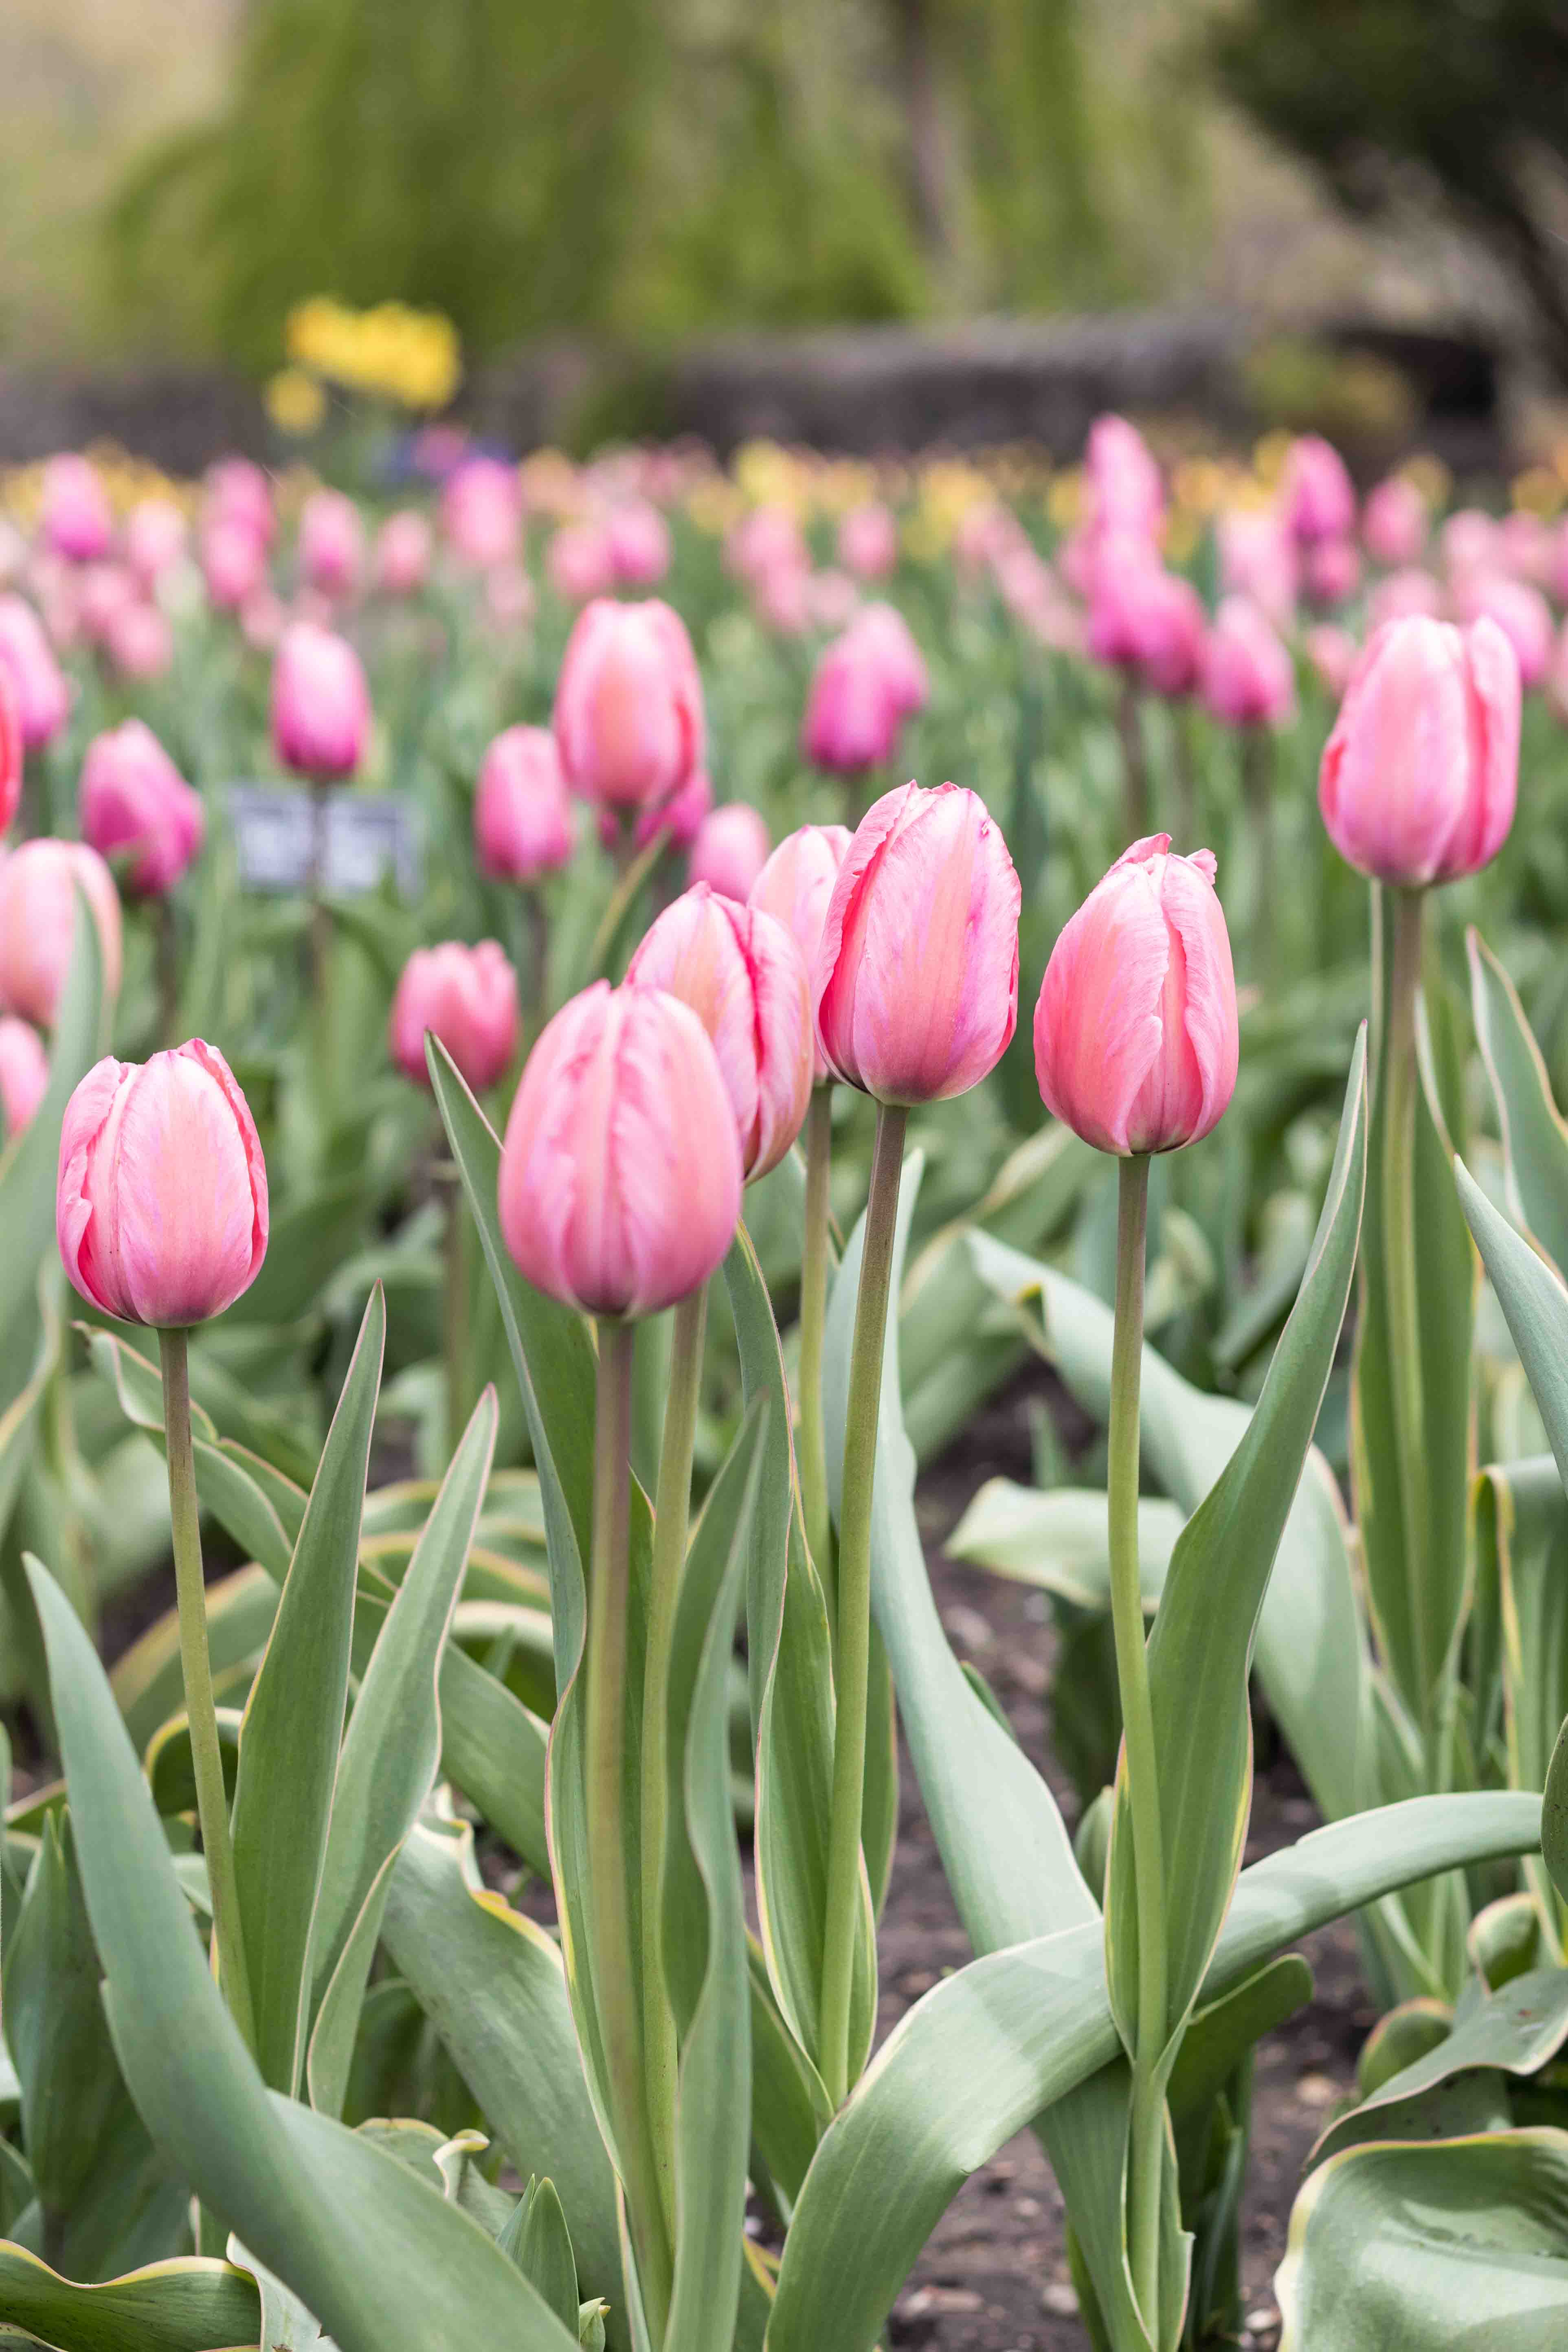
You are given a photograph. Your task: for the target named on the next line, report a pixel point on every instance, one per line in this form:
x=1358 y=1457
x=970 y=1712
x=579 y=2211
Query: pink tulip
x=43 y=694
x=1405 y=594
x=1523 y=615
x=1393 y=523
x=481 y=512
x=795 y=888
x=783 y=599
x=1420 y=775
x=1145 y=619
x=321 y=704
x=522 y=813
x=1257 y=560
x=851 y=722
x=155 y=536
x=469 y=997
x=11 y=751
x=766 y=539
x=239 y=492
x=234 y=562
x=37 y=923
x=1123 y=481
x=135 y=804
x=23 y=1074
x=403 y=547
x=1317 y=493
x=832 y=599
x=1332 y=653
x=620 y=1173
x=1557 y=574
x=628 y=705
x=1470 y=549
x=1526 y=546
x=742 y=975
x=75 y=518
x=916 y=978
x=508 y=597
x=161 y=1208
x=681 y=816
x=1135 y=1031
x=638 y=540
x=1556 y=680
x=579 y=562
x=104 y=590
x=330 y=543
x=884 y=629
x=263 y=618
x=730 y=850
x=141 y=642
x=1330 y=570
x=1248 y=677
x=868 y=541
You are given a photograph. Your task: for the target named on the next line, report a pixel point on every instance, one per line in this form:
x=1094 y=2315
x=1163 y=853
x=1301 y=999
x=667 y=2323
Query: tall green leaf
x=180 y=2306
x=1534 y=1136
x=1534 y=1305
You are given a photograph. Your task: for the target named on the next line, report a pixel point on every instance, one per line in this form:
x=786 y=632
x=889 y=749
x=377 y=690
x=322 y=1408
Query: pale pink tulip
x=42 y=693
x=1420 y=775
x=795 y=888
x=1249 y=679
x=868 y=541
x=23 y=1074
x=508 y=597
x=321 y=704
x=239 y=492
x=628 y=705
x=331 y=545
x=832 y=599
x=161 y=1208
x=141 y=642
x=767 y=538
x=481 y=512
x=402 y=547
x=523 y=812
x=852 y=721
x=1471 y=548
x=579 y=564
x=155 y=536
x=745 y=977
x=103 y=593
x=730 y=850
x=136 y=805
x=916 y=978
x=1121 y=479
x=1523 y=615
x=1257 y=560
x=1135 y=1031
x=620 y=1173
x=1525 y=547
x=783 y=599
x=638 y=540
x=1317 y=492
x=37 y=923
x=1330 y=570
x=1405 y=595
x=11 y=748
x=1332 y=653
x=884 y=629
x=467 y=996
x=1145 y=619
x=234 y=562
x=1394 y=523
x=75 y=518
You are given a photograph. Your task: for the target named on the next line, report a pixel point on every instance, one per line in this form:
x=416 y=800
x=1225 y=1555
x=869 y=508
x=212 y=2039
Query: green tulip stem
x=1134 y=759
x=1400 y=1082
x=813 y=1320
x=455 y=1303
x=1257 y=797
x=206 y=1758
x=1148 y=2148
x=853 y=1647
x=672 y=1519
x=615 y=1985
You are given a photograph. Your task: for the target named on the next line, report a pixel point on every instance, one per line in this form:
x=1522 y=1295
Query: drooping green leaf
x=179 y=2306
x=285 y=2324
x=1534 y=1137
x=1056 y=1540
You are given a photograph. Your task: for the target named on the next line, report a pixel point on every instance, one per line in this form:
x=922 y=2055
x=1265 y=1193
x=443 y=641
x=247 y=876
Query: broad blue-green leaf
x=1522 y=1547
x=182 y=2305
x=293 y=1726
x=1056 y=1540
x=1534 y=1303
x=147 y=1680
x=1220 y=2036
x=540 y=2243
x=385 y=2264
x=1555 y=1817
x=285 y=2324
x=495 y=1750
x=790 y=2106
x=1535 y=1139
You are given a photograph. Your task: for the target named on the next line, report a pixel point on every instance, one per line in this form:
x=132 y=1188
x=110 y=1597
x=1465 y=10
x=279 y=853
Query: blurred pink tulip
x=1556 y=680
x=1405 y=595
x=1525 y=547
x=1318 y=495
x=620 y=1172
x=23 y=1074
x=11 y=750
x=523 y=812
x=155 y=538
x=135 y=804
x=796 y=886
x=234 y=562
x=832 y=599
x=768 y=538
x=43 y=694
x=1125 y=492
x=37 y=923
x=743 y=976
x=884 y=629
x=681 y=816
x=637 y=537
x=321 y=704
x=1249 y=679
x=628 y=705
x=1145 y=619
x=1523 y=615
x=868 y=541
x=263 y=618
x=916 y=978
x=467 y=996
x=402 y=547
x=508 y=597
x=104 y=590
x=1332 y=653
x=331 y=544
x=730 y=850
x=1394 y=523
x=1257 y=560
x=161 y=1208
x=579 y=564
x=1330 y=570
x=75 y=518
x=1135 y=1031
x=1420 y=775
x=481 y=512
x=141 y=642
x=1470 y=549
x=239 y=492
x=852 y=721
x=783 y=599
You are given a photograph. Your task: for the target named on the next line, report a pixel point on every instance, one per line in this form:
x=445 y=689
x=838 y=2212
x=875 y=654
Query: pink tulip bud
x=161 y=1208
x=1393 y=523
x=579 y=562
x=37 y=924
x=1470 y=550
x=1404 y=594
x=234 y=562
x=508 y=597
x=783 y=598
x=742 y=975
x=239 y=492
x=638 y=540
x=766 y=539
x=730 y=850
x=681 y=816
x=103 y=593
x=1332 y=653
x=469 y=997
x=1135 y=1031
x=155 y=536
x=1257 y=560
x=135 y=804
x=884 y=629
x=620 y=1173
x=330 y=543
x=851 y=722
x=1317 y=494
x=1420 y=775
x=1525 y=546
x=23 y=1074
x=43 y=694
x=1330 y=570
x=1523 y=615
x=1144 y=618
x=11 y=753
x=628 y=705
x=76 y=520
x=522 y=814
x=403 y=549
x=916 y=978
x=795 y=888
x=141 y=642
x=321 y=704
x=832 y=599
x=1122 y=481
x=481 y=512
x=869 y=542
x=1249 y=679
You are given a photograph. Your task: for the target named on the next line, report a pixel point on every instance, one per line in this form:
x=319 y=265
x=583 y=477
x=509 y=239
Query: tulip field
x=595 y=1060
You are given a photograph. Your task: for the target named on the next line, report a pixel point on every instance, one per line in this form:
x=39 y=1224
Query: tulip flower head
x=239 y=492
x=1249 y=679
x=161 y=1206
x=75 y=518
x=135 y=804
x=743 y=976
x=331 y=543
x=638 y=539
x=141 y=644
x=796 y=886
x=1318 y=496
x=402 y=547
x=868 y=541
x=1135 y=1031
x=916 y=980
x=467 y=996
x=681 y=816
x=1523 y=615
x=234 y=562
x=11 y=753
x=37 y=923
x=155 y=536
x=1122 y=480
x=580 y=562
x=628 y=705
x=731 y=849
x=1393 y=523
x=1420 y=775
x=24 y=1074
x=620 y=1172
x=321 y=704
x=481 y=512
x=523 y=812
x=43 y=694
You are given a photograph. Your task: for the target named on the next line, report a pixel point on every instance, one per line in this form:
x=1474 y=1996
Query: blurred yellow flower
x=392 y=351
x=295 y=402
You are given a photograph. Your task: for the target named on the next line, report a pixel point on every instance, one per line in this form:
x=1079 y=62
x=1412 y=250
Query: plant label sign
x=363 y=840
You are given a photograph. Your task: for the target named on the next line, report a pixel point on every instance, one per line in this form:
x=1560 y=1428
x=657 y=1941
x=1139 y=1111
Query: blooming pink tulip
x=795 y=888
x=23 y=1074
x=1523 y=615
x=1248 y=677
x=43 y=694
x=1135 y=1031
x=1393 y=523
x=579 y=562
x=628 y=705
x=1420 y=775
x=730 y=850
x=239 y=492
x=141 y=642
x=321 y=704
x=75 y=518
x=743 y=976
x=330 y=543
x=681 y=816
x=155 y=536
x=522 y=813
x=37 y=923
x=403 y=547
x=620 y=1173
x=868 y=541
x=161 y=1208
x=11 y=753
x=481 y=512
x=916 y=978
x=469 y=997
x=638 y=540
x=234 y=562
x=136 y=804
